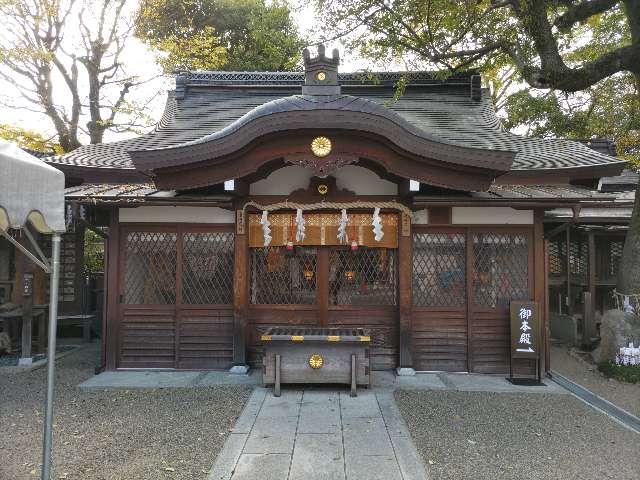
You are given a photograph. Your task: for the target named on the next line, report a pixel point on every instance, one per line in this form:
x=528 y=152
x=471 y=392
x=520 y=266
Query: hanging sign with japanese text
x=524 y=329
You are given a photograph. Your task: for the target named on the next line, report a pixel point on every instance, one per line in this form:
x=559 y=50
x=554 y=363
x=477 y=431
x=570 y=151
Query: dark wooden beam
x=405 y=275
x=240 y=289
x=589 y=317
x=568 y=298
x=111 y=319
x=539 y=282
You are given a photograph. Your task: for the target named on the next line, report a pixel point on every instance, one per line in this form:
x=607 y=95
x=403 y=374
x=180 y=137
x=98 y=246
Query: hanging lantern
x=289 y=244
x=354 y=246
x=349 y=275
x=308 y=275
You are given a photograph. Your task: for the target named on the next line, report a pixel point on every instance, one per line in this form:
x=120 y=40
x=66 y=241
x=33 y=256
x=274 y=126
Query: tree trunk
x=629 y=271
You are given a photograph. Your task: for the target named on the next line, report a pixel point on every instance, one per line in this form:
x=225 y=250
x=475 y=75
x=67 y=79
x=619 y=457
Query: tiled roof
x=92 y=191
x=626 y=181
x=206 y=102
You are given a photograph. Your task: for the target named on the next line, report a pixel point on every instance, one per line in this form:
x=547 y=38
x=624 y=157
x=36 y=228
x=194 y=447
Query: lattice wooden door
x=176 y=297
x=362 y=291
x=325 y=286
x=501 y=261
x=440 y=300
x=463 y=282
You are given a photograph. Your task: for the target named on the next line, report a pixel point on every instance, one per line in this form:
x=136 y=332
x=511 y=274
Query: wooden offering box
x=316 y=355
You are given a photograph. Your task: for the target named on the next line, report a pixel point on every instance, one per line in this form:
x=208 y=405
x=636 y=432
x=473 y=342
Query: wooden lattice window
x=501 y=264
x=439 y=269
x=366 y=276
x=207 y=276
x=579 y=256
x=557 y=256
x=615 y=255
x=283 y=277
x=150 y=273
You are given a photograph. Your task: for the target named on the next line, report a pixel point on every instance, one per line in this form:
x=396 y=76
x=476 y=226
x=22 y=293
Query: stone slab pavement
x=382 y=380
x=318 y=434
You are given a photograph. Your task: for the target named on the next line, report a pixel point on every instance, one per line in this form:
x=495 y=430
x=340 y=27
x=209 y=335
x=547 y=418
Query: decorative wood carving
x=321 y=188
x=321 y=166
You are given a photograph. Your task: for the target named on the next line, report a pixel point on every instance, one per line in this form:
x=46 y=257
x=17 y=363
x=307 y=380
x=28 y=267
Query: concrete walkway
x=318 y=435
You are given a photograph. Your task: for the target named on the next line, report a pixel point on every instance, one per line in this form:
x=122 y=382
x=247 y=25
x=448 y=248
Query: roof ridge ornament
x=321 y=72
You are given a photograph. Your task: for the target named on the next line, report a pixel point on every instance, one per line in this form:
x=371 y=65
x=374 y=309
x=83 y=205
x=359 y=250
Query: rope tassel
x=342 y=227
x=266 y=231
x=376 y=221
x=300 y=223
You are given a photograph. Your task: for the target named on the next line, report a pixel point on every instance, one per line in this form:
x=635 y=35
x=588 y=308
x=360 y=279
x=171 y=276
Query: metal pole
x=51 y=356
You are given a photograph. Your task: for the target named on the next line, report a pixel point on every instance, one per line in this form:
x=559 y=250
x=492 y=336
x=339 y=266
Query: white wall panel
x=169 y=214
x=490 y=216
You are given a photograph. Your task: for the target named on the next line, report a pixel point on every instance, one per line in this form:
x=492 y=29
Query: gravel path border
x=482 y=435
x=624 y=395
x=151 y=434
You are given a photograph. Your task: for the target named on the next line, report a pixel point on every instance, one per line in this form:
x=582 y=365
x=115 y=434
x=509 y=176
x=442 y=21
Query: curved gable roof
x=206 y=103
x=327 y=112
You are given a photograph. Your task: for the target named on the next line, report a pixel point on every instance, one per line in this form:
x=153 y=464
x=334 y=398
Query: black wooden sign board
x=525 y=328
x=525 y=339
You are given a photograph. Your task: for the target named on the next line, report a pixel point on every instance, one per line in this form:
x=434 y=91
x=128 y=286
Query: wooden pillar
x=546 y=337
x=405 y=276
x=539 y=283
x=40 y=280
x=177 y=312
x=590 y=304
x=240 y=289
x=322 y=282
x=19 y=262
x=27 y=313
x=111 y=320
x=568 y=259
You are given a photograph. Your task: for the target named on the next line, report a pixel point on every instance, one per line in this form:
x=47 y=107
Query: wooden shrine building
x=205 y=250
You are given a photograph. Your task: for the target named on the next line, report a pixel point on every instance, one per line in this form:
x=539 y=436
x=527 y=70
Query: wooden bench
x=84 y=321
x=316 y=355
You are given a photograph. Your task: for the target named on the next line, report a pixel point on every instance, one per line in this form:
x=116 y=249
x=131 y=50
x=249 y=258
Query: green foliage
x=93 y=252
x=609 y=109
x=558 y=47
x=623 y=373
x=220 y=34
x=28 y=139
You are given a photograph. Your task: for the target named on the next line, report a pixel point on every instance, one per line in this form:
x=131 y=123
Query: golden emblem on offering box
x=316 y=361
x=321 y=146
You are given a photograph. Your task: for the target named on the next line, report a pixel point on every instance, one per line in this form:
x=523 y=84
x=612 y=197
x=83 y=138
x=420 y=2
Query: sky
x=140 y=61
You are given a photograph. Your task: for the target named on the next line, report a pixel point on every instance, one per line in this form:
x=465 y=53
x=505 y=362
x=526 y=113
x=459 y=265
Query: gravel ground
x=506 y=436
x=624 y=395
x=113 y=435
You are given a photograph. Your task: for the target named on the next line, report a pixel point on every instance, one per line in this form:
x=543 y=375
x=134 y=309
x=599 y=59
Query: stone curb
x=597 y=402
x=225 y=464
